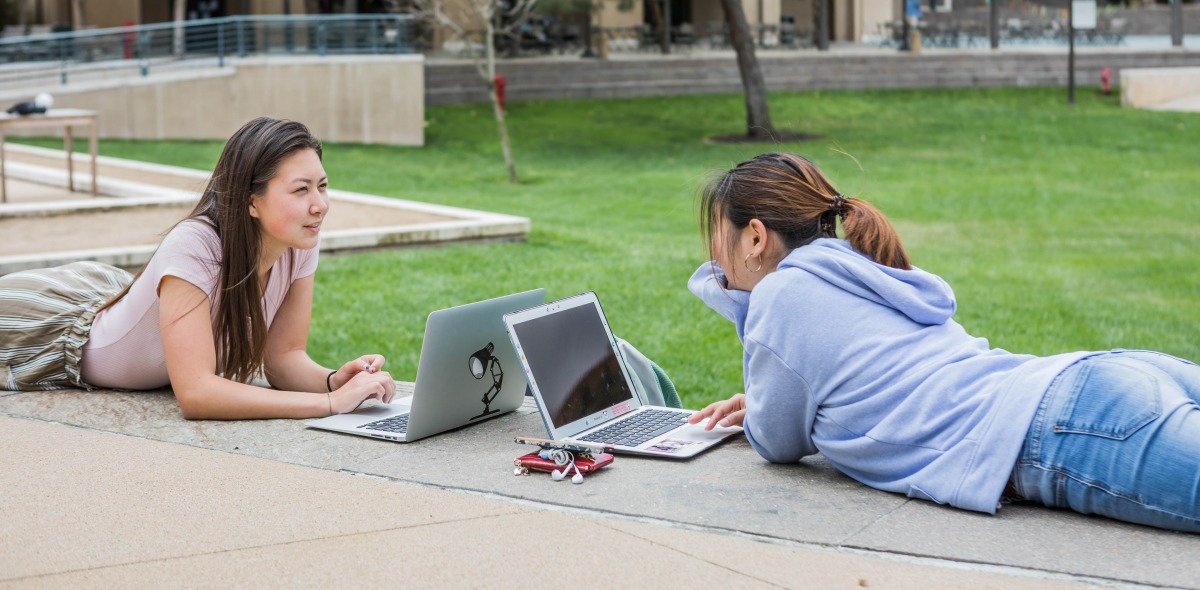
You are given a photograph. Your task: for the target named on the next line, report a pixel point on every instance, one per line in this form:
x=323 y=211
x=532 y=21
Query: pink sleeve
x=306 y=263
x=191 y=252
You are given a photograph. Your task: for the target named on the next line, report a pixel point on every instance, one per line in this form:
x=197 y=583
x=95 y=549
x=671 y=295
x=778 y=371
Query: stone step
x=454 y=83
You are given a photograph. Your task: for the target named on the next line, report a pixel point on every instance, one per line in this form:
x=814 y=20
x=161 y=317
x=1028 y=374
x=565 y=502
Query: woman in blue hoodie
x=852 y=352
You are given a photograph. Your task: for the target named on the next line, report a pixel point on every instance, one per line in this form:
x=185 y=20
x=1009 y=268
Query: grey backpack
x=650 y=381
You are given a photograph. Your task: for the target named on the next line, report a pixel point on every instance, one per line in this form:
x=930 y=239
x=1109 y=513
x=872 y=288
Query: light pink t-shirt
x=125 y=348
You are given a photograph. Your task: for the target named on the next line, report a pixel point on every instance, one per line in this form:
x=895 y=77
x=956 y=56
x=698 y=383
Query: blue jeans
x=1118 y=434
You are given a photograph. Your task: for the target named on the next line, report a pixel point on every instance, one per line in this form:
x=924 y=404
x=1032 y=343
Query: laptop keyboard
x=638 y=428
x=397 y=424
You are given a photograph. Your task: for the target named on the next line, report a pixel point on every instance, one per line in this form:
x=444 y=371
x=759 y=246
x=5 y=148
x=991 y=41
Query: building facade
x=847 y=20
x=116 y=13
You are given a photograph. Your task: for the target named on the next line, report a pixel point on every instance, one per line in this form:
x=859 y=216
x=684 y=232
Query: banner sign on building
x=1083 y=14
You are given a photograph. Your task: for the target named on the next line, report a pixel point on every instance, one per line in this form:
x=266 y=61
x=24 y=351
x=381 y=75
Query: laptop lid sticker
x=483 y=363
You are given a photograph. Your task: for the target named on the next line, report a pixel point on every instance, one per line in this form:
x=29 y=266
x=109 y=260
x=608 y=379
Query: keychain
x=561 y=459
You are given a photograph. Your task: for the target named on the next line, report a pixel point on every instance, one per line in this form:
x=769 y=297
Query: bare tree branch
x=481 y=15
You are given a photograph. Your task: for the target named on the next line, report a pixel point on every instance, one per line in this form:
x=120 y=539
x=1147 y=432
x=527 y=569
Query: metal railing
x=100 y=53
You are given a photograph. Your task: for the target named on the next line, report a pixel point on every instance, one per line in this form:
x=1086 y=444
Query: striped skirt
x=45 y=319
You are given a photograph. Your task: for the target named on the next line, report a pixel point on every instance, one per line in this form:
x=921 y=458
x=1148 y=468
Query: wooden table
x=65 y=118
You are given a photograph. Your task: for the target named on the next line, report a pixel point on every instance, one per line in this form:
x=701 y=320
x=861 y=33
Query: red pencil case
x=585 y=463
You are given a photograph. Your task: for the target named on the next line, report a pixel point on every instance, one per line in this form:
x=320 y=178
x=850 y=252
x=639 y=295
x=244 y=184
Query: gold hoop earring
x=746 y=263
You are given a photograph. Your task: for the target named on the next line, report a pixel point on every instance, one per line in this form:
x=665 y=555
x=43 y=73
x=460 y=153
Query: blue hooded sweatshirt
x=863 y=363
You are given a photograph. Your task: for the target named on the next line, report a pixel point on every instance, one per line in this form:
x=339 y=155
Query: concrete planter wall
x=358 y=99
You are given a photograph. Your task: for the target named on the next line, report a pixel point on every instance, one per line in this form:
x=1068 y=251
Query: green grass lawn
x=1060 y=228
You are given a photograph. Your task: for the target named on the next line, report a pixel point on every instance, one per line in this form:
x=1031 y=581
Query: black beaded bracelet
x=328 y=385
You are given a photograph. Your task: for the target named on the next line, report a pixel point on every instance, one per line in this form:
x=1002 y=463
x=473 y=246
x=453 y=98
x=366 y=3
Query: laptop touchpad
x=378 y=409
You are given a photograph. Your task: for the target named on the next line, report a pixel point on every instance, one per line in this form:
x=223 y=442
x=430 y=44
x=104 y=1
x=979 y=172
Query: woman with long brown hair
x=225 y=299
x=852 y=352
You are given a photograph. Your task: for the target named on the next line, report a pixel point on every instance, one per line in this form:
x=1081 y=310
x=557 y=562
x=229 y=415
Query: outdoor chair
x=788 y=35
x=647 y=37
x=469 y=47
x=1115 y=31
x=1017 y=30
x=974 y=34
x=620 y=39
x=893 y=33
x=806 y=35
x=718 y=34
x=932 y=34
x=391 y=35
x=1055 y=31
x=37 y=49
x=945 y=34
x=684 y=34
x=11 y=52
x=1089 y=36
x=572 y=38
x=91 y=49
x=765 y=35
x=145 y=45
x=533 y=37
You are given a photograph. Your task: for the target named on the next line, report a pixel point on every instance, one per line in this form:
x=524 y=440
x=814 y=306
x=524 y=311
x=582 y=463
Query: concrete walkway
x=45 y=225
x=113 y=489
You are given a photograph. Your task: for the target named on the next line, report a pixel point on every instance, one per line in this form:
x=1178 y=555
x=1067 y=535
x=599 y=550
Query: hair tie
x=839 y=205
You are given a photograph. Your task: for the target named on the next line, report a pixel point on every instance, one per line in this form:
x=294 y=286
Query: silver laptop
x=465 y=357
x=583 y=389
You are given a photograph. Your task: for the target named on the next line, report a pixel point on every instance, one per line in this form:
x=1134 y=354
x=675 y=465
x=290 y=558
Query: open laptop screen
x=575 y=365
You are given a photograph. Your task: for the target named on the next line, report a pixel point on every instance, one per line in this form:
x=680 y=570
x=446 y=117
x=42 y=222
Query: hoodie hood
x=923 y=297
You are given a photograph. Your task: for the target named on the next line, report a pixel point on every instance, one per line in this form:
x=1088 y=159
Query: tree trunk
x=659 y=22
x=77 y=20
x=758 y=116
x=501 y=126
x=587 y=31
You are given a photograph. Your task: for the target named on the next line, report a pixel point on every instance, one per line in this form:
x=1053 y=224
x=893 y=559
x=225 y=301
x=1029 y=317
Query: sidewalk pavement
x=112 y=489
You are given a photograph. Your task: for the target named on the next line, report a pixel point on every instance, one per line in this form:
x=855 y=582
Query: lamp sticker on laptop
x=481 y=363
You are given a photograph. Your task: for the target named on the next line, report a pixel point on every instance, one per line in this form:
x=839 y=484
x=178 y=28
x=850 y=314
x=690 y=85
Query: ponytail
x=791 y=197
x=869 y=232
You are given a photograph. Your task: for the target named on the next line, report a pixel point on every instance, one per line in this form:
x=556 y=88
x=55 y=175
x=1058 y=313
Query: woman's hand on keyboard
x=723 y=413
x=363 y=386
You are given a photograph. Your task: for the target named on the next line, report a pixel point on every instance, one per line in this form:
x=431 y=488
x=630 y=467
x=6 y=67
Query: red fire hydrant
x=1106 y=81
x=499 y=84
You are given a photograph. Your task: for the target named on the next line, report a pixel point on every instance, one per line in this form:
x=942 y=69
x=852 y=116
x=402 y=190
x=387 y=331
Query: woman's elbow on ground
x=775 y=450
x=192 y=402
x=191 y=415
x=190 y=407
x=779 y=455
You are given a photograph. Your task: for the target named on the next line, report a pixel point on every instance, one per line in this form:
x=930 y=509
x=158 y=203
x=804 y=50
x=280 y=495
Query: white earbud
x=559 y=475
x=567 y=461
